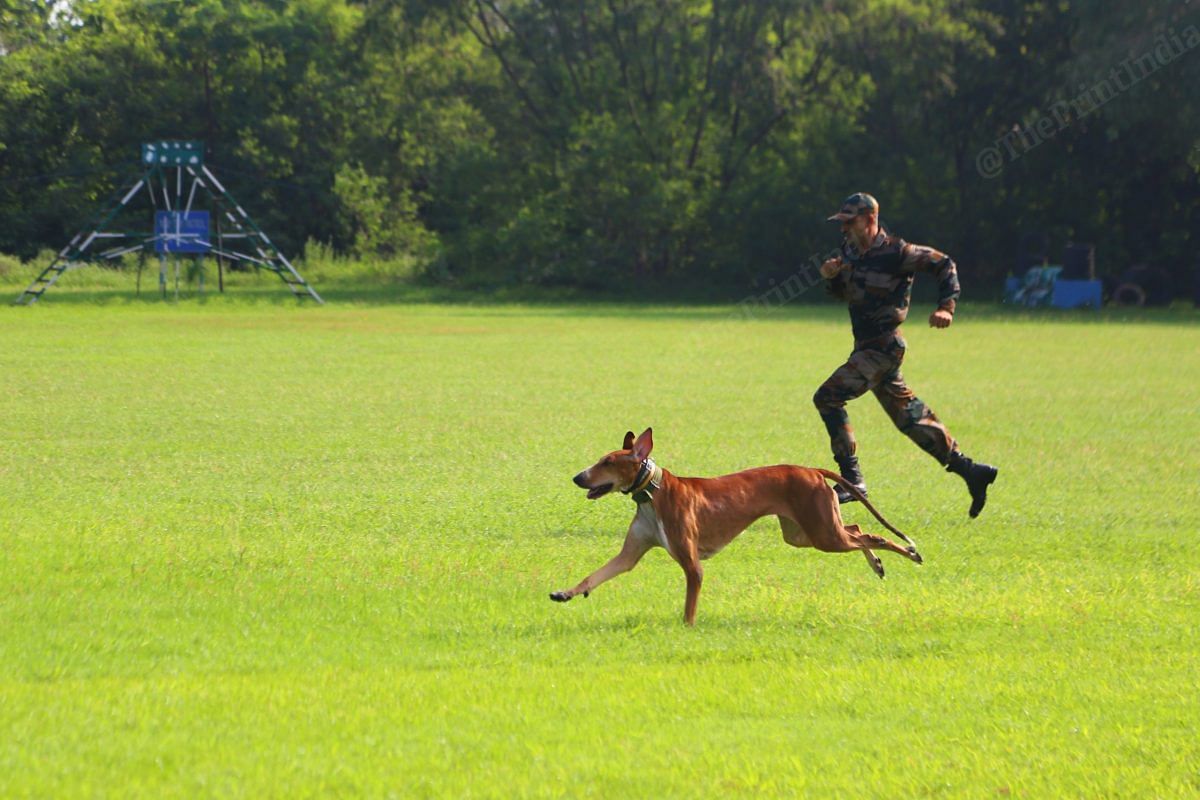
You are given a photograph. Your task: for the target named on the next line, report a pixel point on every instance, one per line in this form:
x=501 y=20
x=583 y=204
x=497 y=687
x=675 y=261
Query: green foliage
x=599 y=141
x=9 y=266
x=332 y=270
x=645 y=117
x=384 y=223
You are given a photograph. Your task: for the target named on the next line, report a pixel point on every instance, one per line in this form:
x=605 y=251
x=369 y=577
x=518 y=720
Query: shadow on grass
x=660 y=619
x=583 y=534
x=525 y=301
x=648 y=302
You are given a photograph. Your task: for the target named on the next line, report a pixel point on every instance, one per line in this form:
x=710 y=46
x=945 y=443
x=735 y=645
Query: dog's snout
x=580 y=481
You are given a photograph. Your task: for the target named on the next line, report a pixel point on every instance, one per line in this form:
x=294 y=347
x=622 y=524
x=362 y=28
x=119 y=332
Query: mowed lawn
x=250 y=548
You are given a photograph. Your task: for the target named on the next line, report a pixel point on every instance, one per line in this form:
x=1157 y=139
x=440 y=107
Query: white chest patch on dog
x=649 y=527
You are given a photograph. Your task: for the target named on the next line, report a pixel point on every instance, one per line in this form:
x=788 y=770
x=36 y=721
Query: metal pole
x=220 y=248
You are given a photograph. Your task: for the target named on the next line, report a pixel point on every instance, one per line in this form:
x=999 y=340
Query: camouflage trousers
x=875 y=365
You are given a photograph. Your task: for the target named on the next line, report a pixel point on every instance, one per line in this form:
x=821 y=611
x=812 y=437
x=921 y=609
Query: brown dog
x=693 y=518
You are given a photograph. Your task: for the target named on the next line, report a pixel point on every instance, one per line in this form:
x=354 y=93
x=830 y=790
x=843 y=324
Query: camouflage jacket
x=878 y=285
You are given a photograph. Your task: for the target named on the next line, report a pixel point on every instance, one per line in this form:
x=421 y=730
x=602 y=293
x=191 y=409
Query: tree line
x=591 y=142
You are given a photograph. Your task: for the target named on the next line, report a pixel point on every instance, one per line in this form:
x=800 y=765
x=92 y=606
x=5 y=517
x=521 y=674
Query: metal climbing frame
x=182 y=158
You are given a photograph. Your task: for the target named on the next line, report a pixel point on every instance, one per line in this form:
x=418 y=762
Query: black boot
x=978 y=478
x=851 y=472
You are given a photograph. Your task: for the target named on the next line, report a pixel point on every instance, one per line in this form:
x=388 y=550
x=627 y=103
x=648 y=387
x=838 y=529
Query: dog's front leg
x=631 y=553
x=690 y=561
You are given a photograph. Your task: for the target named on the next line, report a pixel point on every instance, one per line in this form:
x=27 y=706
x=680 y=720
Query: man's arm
x=925 y=259
x=834 y=272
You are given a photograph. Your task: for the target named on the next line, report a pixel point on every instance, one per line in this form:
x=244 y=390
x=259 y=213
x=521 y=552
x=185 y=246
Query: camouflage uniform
x=878 y=287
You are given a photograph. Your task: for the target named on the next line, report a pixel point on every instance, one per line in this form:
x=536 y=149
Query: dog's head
x=619 y=469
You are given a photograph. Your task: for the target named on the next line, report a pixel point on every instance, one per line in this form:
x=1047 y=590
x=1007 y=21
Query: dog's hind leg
x=874 y=561
x=870 y=541
x=793 y=533
x=825 y=530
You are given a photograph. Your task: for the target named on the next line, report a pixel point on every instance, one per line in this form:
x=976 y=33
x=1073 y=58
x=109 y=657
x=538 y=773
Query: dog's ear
x=644 y=444
x=628 y=445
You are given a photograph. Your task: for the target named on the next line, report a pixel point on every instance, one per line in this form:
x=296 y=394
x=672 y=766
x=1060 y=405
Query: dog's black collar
x=648 y=479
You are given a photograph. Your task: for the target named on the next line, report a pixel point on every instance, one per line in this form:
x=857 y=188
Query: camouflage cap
x=855 y=205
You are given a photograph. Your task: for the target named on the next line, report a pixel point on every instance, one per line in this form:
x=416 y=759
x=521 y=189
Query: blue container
x=1076 y=294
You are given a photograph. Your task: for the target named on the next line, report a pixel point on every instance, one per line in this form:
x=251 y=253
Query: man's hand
x=940 y=319
x=832 y=267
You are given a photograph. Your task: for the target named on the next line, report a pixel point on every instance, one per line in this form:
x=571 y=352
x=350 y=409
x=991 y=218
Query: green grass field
x=254 y=549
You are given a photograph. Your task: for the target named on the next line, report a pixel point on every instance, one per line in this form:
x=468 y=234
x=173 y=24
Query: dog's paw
x=915 y=556
x=560 y=597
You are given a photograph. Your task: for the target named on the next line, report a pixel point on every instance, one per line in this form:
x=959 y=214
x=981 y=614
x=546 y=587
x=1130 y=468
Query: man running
x=874 y=274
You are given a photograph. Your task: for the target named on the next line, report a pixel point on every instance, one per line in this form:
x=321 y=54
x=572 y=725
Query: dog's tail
x=862 y=498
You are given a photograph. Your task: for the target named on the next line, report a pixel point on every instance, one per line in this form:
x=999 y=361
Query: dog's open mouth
x=599 y=491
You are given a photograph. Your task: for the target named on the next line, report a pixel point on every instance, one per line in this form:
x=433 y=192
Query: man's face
x=856 y=227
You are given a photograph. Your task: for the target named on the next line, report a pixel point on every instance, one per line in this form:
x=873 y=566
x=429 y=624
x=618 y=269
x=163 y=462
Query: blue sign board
x=181 y=232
